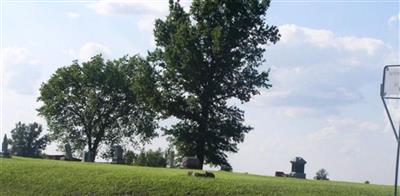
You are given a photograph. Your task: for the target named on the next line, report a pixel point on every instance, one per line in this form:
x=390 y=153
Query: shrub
x=321 y=174
x=151 y=158
x=130 y=157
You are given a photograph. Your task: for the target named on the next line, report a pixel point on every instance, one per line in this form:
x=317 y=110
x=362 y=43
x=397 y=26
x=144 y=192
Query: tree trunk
x=203 y=129
x=200 y=154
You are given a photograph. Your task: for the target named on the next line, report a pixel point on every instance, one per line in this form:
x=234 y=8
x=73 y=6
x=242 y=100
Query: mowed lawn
x=24 y=176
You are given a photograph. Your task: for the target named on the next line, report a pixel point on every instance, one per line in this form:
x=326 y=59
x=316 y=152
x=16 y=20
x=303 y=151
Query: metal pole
x=397 y=168
x=390 y=119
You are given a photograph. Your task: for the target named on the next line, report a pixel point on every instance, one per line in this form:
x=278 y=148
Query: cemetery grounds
x=26 y=176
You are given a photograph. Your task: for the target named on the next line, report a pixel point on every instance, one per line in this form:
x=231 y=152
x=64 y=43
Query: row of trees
x=203 y=58
x=26 y=140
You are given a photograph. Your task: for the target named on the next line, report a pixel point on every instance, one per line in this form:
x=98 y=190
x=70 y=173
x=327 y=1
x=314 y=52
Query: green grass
x=24 y=176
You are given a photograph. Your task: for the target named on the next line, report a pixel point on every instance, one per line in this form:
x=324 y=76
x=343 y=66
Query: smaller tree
x=96 y=104
x=130 y=156
x=26 y=140
x=321 y=174
x=151 y=158
x=4 y=146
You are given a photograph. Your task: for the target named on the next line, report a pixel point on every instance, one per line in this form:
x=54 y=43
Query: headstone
x=280 y=174
x=298 y=168
x=190 y=163
x=197 y=174
x=68 y=152
x=171 y=158
x=87 y=157
x=117 y=155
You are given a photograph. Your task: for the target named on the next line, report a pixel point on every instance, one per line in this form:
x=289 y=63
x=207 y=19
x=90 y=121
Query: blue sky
x=325 y=71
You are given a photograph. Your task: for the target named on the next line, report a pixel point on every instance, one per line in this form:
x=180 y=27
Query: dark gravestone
x=197 y=174
x=190 y=163
x=68 y=152
x=280 y=174
x=117 y=155
x=298 y=168
x=87 y=157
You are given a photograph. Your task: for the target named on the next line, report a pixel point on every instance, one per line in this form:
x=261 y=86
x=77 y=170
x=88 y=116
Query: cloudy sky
x=326 y=70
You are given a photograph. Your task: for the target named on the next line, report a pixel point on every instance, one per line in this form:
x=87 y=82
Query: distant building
x=298 y=164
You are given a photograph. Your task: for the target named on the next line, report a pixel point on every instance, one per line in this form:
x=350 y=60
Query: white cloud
x=293 y=112
x=321 y=70
x=327 y=39
x=14 y=55
x=133 y=7
x=73 y=15
x=340 y=125
x=146 y=23
x=91 y=49
x=394 y=19
x=20 y=70
x=145 y=11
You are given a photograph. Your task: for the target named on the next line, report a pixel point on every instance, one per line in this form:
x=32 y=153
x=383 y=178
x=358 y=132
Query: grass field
x=24 y=176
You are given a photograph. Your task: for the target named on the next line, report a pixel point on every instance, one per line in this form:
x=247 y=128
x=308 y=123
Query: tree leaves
x=204 y=58
x=97 y=102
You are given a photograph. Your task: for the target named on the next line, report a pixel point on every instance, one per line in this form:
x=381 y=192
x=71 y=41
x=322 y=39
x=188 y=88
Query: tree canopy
x=96 y=103
x=26 y=140
x=321 y=174
x=202 y=59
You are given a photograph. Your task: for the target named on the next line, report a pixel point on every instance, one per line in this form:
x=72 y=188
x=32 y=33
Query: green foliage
x=129 y=156
x=321 y=174
x=26 y=140
x=151 y=158
x=23 y=176
x=204 y=58
x=4 y=147
x=95 y=103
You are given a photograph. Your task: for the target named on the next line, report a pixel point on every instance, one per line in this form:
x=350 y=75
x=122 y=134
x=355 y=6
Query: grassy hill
x=24 y=176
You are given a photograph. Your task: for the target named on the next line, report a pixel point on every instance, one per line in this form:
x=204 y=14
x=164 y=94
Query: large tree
x=26 y=140
x=95 y=103
x=204 y=58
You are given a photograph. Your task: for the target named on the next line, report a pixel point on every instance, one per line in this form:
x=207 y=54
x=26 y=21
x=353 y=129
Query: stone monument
x=117 y=155
x=298 y=168
x=190 y=163
x=171 y=158
x=68 y=152
x=87 y=156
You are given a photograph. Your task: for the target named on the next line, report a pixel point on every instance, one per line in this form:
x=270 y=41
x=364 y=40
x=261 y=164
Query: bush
x=151 y=158
x=130 y=157
x=322 y=174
